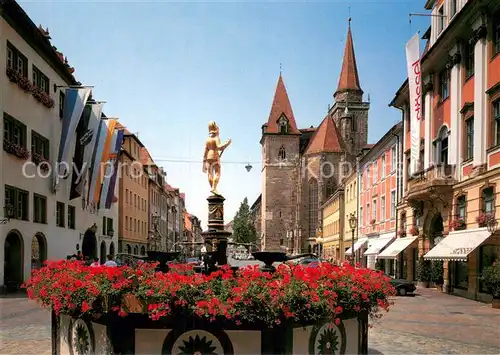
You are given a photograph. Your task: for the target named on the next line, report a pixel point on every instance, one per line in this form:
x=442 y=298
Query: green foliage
x=437 y=272
x=243 y=227
x=424 y=270
x=491 y=279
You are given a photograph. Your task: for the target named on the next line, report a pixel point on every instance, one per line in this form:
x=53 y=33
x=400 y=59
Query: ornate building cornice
x=479 y=33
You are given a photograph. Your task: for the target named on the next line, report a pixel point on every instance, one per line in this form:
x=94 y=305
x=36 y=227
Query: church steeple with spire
x=348 y=87
x=350 y=113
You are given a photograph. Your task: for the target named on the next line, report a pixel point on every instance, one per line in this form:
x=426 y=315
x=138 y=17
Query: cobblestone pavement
x=429 y=323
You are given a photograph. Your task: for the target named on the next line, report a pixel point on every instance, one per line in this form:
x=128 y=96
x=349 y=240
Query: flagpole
x=72 y=87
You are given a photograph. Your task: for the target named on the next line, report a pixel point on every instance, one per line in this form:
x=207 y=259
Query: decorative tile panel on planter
x=136 y=334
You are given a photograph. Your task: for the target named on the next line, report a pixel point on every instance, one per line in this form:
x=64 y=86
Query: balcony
x=433 y=183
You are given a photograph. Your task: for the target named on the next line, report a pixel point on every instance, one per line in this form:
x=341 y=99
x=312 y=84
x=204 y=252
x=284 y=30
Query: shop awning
x=397 y=247
x=379 y=243
x=360 y=243
x=458 y=245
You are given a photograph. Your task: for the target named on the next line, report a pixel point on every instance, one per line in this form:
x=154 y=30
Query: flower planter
x=16 y=150
x=136 y=310
x=137 y=334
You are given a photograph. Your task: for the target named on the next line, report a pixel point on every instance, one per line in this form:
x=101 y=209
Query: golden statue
x=211 y=157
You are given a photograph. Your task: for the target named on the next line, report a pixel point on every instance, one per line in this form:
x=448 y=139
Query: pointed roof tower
x=281 y=112
x=326 y=139
x=349 y=79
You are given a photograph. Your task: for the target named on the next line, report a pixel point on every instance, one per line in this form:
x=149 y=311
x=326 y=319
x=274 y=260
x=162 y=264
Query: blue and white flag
x=74 y=103
x=109 y=183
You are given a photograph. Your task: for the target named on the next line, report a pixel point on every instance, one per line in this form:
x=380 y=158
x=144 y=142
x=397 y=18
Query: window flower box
x=402 y=233
x=458 y=224
x=485 y=219
x=24 y=84
x=295 y=310
x=42 y=97
x=12 y=75
x=414 y=230
x=15 y=149
x=373 y=221
x=40 y=161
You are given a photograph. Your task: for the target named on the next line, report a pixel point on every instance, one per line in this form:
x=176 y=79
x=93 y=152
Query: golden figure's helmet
x=212 y=127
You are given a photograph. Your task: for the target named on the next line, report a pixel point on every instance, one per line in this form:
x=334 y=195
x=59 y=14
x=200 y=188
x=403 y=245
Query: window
x=442 y=146
x=282 y=153
x=444 y=84
x=109 y=226
x=39 y=145
x=383 y=166
x=19 y=200
x=360 y=216
x=421 y=157
x=61 y=104
x=126 y=222
x=496 y=33
x=374 y=210
x=375 y=172
x=104 y=229
x=71 y=217
x=488 y=201
x=39 y=209
x=469 y=138
x=14 y=131
x=469 y=60
x=453 y=8
x=394 y=159
x=441 y=19
x=40 y=80
x=393 y=204
x=382 y=208
x=283 y=125
x=60 y=214
x=126 y=195
x=313 y=207
x=16 y=60
x=488 y=254
x=461 y=207
x=368 y=213
x=496 y=122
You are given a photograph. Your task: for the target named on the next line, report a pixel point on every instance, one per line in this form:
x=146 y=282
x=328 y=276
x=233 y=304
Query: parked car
x=403 y=287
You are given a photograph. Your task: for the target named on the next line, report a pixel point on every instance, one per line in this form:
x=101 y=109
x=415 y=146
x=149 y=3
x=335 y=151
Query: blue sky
x=167 y=68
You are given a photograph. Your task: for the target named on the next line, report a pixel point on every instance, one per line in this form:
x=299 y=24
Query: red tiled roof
x=169 y=188
x=145 y=157
x=281 y=105
x=349 y=79
x=326 y=139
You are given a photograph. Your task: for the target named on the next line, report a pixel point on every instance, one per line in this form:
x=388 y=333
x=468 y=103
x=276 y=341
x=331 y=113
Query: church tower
x=349 y=112
x=280 y=172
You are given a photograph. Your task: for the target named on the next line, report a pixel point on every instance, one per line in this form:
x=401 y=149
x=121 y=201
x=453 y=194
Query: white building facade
x=38 y=223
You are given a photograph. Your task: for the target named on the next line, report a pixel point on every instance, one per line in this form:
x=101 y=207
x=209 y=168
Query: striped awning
x=360 y=243
x=380 y=243
x=393 y=250
x=458 y=245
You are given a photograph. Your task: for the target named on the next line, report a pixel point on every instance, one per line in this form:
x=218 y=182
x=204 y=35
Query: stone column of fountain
x=216 y=237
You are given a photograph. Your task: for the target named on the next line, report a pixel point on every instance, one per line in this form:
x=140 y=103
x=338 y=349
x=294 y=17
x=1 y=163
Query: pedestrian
x=95 y=263
x=110 y=262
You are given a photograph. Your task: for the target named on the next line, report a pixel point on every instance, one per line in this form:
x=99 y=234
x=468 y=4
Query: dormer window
x=282 y=153
x=283 y=124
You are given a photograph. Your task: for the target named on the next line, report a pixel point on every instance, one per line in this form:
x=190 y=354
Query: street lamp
x=492 y=225
x=353 y=221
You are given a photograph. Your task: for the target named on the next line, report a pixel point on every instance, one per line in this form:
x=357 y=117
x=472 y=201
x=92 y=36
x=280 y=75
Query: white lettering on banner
x=461 y=251
x=415 y=86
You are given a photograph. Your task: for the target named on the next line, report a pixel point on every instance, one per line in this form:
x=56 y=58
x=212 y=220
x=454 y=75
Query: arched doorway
x=435 y=230
x=14 y=260
x=136 y=250
x=38 y=251
x=129 y=249
x=143 y=250
x=103 y=252
x=89 y=244
x=112 y=249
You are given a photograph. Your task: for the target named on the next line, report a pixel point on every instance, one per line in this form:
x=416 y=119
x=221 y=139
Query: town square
x=250 y=177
